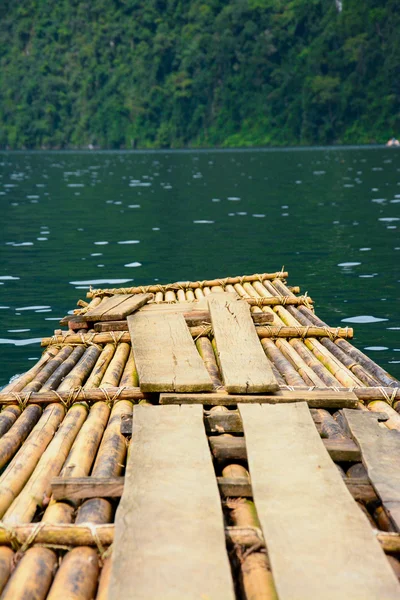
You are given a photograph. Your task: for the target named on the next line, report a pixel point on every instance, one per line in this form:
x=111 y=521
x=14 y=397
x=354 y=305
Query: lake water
x=330 y=216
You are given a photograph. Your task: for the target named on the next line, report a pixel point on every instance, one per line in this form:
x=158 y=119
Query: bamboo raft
x=209 y=439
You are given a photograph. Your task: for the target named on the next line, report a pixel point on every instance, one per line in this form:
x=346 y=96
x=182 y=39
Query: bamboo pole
x=191 y=285
x=100 y=367
x=206 y=352
x=48 y=370
x=58 y=534
x=383 y=520
x=393 y=421
x=8 y=416
x=374 y=370
x=115 y=368
x=255 y=572
x=76 y=395
x=62 y=371
x=329 y=427
x=76 y=578
x=130 y=377
x=82 y=455
x=38 y=489
x=109 y=463
x=104 y=581
x=18 y=384
x=342 y=374
x=33 y=575
x=319 y=369
x=190 y=297
x=13 y=439
x=24 y=462
x=80 y=372
x=92 y=304
x=305 y=372
x=377 y=372
x=6 y=565
x=58 y=513
x=266 y=331
x=281 y=363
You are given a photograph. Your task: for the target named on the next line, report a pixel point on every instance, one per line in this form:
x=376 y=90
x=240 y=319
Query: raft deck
x=254 y=450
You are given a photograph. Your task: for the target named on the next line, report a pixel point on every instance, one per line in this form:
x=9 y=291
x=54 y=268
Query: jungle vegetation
x=193 y=73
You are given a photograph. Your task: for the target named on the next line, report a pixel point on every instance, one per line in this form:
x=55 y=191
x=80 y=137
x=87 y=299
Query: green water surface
x=71 y=220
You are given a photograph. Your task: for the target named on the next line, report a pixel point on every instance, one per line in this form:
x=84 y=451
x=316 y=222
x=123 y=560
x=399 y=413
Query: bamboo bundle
x=109 y=463
x=48 y=369
x=342 y=374
x=6 y=566
x=192 y=285
x=374 y=370
x=62 y=371
x=18 y=384
x=82 y=369
x=13 y=439
x=308 y=357
x=115 y=368
x=8 y=417
x=100 y=367
x=305 y=372
x=24 y=462
x=206 y=352
x=281 y=363
x=38 y=489
x=84 y=448
x=104 y=581
x=130 y=377
x=33 y=575
x=76 y=578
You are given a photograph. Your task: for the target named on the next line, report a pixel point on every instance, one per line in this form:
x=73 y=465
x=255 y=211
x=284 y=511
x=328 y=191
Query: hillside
x=179 y=73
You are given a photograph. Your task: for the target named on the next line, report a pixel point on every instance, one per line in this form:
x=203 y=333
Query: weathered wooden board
x=116 y=307
x=165 y=355
x=380 y=448
x=319 y=543
x=169 y=538
x=323 y=398
x=244 y=366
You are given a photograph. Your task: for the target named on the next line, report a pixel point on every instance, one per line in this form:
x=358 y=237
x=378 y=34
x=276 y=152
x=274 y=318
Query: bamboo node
x=389 y=398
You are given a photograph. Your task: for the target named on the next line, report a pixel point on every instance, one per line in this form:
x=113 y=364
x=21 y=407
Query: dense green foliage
x=171 y=73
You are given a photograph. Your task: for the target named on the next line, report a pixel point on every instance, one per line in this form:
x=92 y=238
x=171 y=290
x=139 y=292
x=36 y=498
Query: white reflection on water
x=363 y=319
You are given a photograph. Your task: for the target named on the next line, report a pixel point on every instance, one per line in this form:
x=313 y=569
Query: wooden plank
x=323 y=398
x=234 y=448
x=194 y=318
x=245 y=368
x=79 y=488
x=169 y=538
x=380 y=448
x=107 y=303
x=117 y=307
x=165 y=355
x=319 y=543
x=129 y=306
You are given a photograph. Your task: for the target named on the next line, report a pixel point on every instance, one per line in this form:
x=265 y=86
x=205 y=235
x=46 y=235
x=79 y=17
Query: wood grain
x=165 y=355
x=319 y=543
x=244 y=366
x=380 y=449
x=169 y=538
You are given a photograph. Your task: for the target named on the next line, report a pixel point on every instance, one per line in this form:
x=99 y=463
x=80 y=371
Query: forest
x=198 y=73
